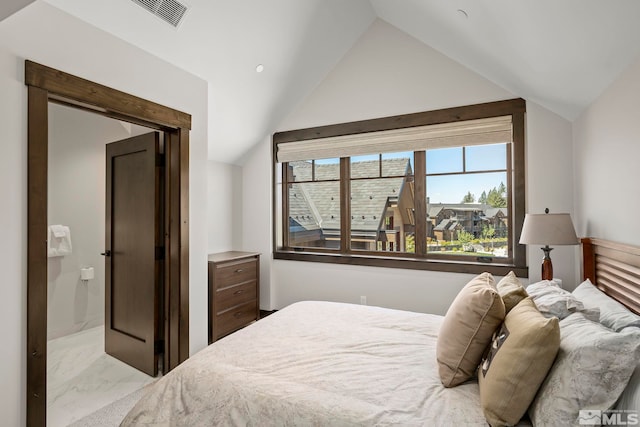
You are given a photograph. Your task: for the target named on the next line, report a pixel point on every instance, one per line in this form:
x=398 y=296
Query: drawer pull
x=238 y=292
x=240 y=270
x=237 y=315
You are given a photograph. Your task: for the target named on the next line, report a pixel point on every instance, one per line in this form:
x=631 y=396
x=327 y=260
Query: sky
x=453 y=188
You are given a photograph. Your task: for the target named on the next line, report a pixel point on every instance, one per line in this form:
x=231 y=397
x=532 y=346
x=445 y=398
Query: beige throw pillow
x=511 y=291
x=517 y=362
x=466 y=331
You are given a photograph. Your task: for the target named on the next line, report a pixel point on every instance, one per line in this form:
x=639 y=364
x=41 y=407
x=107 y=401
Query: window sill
x=405 y=263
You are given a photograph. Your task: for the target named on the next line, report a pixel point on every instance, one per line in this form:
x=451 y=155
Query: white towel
x=58 y=230
x=59 y=241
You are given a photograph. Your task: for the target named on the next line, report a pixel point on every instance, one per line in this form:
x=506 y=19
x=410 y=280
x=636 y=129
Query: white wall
x=387 y=73
x=606 y=140
x=44 y=34
x=549 y=160
x=224 y=202
x=76 y=199
x=256 y=215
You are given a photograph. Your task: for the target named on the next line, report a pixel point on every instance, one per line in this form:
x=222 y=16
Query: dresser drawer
x=234 y=318
x=232 y=273
x=234 y=295
x=234 y=291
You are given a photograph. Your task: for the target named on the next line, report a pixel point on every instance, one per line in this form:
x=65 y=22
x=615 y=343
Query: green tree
x=496 y=199
x=469 y=198
x=488 y=232
x=464 y=236
x=483 y=198
x=502 y=189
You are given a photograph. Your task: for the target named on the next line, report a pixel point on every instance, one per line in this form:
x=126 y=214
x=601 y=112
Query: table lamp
x=548 y=229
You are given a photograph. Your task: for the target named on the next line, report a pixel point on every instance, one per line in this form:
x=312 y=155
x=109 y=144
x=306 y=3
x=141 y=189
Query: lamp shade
x=548 y=229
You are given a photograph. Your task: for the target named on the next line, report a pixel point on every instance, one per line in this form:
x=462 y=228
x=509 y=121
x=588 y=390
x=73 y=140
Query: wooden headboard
x=614 y=268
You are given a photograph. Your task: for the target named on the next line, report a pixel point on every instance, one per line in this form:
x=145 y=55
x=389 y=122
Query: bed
x=323 y=363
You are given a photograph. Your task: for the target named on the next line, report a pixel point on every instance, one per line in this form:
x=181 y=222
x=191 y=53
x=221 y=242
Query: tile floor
x=82 y=378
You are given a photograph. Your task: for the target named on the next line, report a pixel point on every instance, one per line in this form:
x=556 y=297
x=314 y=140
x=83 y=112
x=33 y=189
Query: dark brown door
x=133 y=255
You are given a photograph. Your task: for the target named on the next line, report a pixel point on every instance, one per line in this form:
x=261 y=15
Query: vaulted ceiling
x=559 y=54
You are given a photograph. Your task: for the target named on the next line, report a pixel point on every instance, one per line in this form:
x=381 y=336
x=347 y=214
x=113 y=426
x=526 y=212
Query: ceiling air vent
x=170 y=11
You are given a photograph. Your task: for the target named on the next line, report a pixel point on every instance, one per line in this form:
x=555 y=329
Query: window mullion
x=345 y=205
x=420 y=202
x=285 y=205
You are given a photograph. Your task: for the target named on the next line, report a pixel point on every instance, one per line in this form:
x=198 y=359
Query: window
x=445 y=192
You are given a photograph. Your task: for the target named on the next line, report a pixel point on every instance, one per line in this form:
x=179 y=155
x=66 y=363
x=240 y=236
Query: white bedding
x=315 y=363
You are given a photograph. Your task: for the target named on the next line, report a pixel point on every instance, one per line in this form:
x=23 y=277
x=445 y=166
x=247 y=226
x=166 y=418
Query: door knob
x=106 y=253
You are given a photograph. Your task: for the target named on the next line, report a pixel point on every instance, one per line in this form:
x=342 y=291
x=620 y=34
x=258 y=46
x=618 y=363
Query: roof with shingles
x=492 y=212
x=458 y=207
x=318 y=202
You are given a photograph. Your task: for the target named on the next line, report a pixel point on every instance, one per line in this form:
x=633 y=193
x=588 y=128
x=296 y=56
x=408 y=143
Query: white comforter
x=315 y=364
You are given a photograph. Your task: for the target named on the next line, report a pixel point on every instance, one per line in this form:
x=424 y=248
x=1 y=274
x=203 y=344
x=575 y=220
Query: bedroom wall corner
x=256 y=215
x=606 y=149
x=387 y=72
x=549 y=158
x=224 y=201
x=413 y=77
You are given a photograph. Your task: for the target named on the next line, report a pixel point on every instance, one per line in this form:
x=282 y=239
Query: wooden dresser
x=234 y=292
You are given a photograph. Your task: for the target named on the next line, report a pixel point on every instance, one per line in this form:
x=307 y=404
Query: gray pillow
x=613 y=315
x=592 y=368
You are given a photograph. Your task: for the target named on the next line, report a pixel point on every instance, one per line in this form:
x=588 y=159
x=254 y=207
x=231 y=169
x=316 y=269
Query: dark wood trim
x=518 y=164
x=183 y=239
x=588 y=260
x=614 y=268
x=345 y=204
x=285 y=204
x=420 y=202
x=102 y=98
x=405 y=263
x=37 y=256
x=172 y=246
x=48 y=85
x=447 y=115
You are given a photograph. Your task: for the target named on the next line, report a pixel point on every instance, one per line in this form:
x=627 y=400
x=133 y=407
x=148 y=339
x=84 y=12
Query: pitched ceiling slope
x=559 y=54
x=9 y=7
x=298 y=42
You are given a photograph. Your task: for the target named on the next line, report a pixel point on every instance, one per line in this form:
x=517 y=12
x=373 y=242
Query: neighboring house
x=381 y=213
x=445 y=220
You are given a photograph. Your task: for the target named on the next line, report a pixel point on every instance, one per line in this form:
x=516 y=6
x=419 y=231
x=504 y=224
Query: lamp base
x=547 y=267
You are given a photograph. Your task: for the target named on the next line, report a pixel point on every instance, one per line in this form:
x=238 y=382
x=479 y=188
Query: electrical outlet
x=363 y=300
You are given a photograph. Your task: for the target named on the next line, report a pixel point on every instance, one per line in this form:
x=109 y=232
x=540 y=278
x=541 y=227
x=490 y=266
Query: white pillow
x=553 y=301
x=592 y=368
x=613 y=315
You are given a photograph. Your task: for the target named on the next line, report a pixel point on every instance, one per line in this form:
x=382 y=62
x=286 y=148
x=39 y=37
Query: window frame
x=516 y=108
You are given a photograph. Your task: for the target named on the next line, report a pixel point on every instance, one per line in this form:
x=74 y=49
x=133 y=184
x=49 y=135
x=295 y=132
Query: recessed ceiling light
x=463 y=13
x=259 y=68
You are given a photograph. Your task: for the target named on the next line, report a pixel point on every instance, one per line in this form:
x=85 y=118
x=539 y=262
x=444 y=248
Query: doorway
x=49 y=85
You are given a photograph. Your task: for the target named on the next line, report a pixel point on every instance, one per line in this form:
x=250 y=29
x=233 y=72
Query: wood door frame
x=49 y=85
